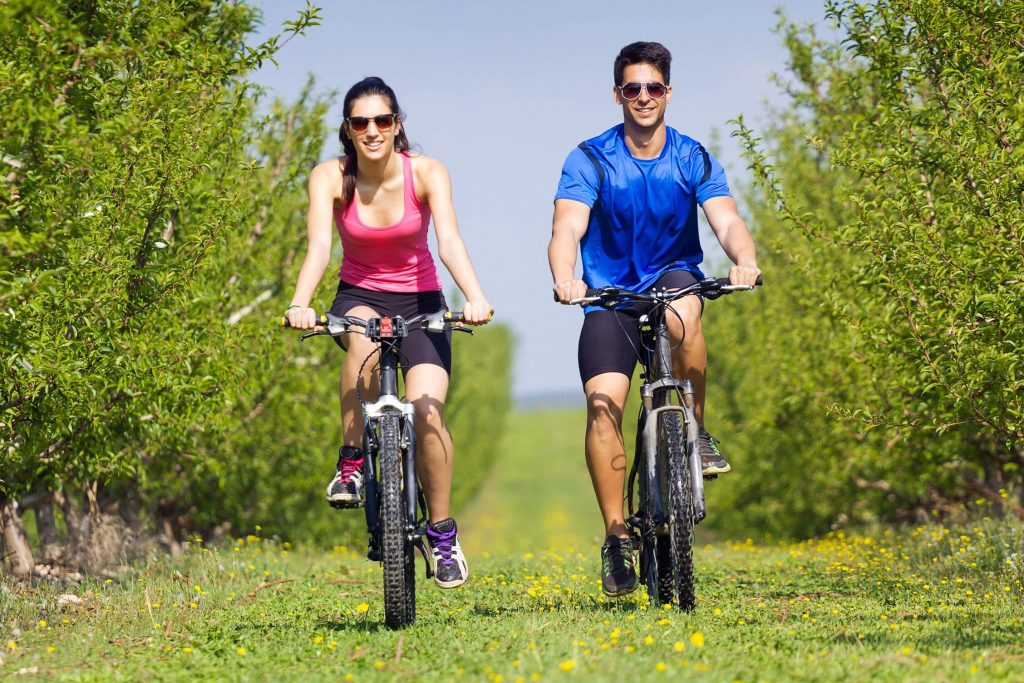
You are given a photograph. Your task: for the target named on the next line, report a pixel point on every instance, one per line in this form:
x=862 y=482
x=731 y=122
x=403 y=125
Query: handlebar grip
x=458 y=317
x=590 y=292
x=322 y=320
x=724 y=281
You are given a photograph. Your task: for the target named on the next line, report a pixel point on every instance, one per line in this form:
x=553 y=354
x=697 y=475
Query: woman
x=382 y=198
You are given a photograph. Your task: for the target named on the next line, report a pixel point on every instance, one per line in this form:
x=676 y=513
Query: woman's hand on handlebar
x=568 y=290
x=477 y=312
x=744 y=275
x=301 y=318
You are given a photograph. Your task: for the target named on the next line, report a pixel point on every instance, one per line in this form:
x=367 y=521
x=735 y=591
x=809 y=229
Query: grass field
x=924 y=604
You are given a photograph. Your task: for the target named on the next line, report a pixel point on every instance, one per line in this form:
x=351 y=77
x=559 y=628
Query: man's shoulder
x=606 y=141
x=684 y=145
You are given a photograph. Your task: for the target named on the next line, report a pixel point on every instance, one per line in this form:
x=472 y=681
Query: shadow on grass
x=971 y=635
x=345 y=625
x=587 y=607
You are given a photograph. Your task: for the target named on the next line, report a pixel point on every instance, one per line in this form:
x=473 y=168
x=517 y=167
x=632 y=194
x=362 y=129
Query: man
x=627 y=199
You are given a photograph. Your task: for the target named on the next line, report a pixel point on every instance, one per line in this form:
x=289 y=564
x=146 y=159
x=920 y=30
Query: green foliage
x=127 y=126
x=880 y=368
x=152 y=223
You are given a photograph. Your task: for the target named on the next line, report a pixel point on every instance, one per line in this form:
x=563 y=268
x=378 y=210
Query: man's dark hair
x=655 y=54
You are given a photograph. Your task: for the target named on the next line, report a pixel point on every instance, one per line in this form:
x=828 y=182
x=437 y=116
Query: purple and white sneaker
x=446 y=558
x=346 y=489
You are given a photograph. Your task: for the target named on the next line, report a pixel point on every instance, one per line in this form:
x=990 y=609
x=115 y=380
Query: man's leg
x=690 y=361
x=607 y=356
x=606 y=455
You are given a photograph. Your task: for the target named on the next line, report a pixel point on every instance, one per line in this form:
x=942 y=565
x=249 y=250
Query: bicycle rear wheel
x=671 y=450
x=397 y=551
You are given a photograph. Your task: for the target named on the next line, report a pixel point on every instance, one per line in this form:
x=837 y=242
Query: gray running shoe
x=446 y=558
x=618 y=567
x=711 y=459
x=346 y=489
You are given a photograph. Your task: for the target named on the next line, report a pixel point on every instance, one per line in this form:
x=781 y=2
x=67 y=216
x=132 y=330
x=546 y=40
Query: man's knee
x=684 y=320
x=604 y=416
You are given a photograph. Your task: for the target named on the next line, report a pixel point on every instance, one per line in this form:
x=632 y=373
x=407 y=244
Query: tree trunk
x=73 y=519
x=18 y=551
x=49 y=539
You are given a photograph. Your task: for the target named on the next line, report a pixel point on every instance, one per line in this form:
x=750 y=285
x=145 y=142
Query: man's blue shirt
x=643 y=218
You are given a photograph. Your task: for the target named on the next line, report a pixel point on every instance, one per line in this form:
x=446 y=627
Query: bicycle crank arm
x=421 y=544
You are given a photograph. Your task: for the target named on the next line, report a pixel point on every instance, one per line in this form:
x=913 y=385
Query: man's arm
x=735 y=238
x=567 y=229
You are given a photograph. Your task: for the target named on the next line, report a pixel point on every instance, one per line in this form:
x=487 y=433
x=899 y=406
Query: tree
x=890 y=192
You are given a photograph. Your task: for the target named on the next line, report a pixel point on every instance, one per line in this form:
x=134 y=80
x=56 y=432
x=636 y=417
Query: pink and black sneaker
x=346 y=489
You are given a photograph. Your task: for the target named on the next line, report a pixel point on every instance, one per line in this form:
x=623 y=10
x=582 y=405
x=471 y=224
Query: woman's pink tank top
x=394 y=258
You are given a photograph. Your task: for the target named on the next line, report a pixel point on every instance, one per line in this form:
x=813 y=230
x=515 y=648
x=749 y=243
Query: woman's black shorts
x=610 y=340
x=420 y=346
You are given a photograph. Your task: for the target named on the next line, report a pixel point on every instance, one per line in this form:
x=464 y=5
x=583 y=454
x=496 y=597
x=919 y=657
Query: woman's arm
x=450 y=247
x=318 y=246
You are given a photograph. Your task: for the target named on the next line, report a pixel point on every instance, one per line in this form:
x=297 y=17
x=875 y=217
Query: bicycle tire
x=680 y=507
x=396 y=551
x=655 y=548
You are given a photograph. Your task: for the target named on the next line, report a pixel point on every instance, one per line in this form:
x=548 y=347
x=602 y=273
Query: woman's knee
x=429 y=412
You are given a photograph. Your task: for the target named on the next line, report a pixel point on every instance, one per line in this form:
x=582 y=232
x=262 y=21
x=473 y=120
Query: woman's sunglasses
x=359 y=124
x=631 y=91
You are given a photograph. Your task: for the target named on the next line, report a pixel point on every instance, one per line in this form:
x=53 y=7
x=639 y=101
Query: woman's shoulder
x=327 y=177
x=331 y=168
x=424 y=166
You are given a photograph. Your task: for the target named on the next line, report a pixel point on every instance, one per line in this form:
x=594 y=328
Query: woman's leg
x=426 y=387
x=367 y=381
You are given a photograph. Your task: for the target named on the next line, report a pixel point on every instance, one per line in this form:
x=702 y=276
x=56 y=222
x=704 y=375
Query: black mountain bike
x=396 y=511
x=666 y=474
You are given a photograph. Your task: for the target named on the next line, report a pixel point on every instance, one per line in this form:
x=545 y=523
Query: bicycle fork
x=650 y=454
x=693 y=453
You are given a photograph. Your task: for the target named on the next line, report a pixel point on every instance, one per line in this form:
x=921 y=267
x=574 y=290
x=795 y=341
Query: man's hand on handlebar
x=744 y=275
x=567 y=290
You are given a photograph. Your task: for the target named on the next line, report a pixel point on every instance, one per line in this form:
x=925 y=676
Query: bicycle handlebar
x=332 y=325
x=709 y=288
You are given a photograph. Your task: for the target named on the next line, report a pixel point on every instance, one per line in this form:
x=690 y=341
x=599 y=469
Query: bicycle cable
x=374 y=352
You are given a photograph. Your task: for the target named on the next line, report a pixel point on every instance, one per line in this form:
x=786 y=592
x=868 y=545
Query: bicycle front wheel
x=671 y=449
x=397 y=551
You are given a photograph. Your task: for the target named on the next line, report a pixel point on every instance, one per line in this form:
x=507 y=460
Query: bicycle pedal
x=345 y=504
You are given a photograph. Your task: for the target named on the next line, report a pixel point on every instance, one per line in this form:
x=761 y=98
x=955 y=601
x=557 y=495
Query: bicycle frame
x=656 y=398
x=667 y=451
x=389 y=402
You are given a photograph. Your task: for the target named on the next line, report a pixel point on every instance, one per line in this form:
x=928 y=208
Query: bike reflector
x=385 y=327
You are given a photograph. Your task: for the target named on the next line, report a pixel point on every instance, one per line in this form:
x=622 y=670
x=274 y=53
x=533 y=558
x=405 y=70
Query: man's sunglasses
x=631 y=91
x=359 y=124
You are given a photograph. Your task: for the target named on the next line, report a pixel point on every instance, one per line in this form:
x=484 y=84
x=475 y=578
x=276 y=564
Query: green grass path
x=927 y=604
x=539 y=494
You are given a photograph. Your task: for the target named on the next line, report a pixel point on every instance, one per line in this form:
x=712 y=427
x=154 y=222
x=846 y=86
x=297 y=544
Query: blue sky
x=501 y=92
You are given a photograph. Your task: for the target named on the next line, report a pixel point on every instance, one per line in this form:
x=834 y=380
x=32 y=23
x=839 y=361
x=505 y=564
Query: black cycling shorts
x=420 y=346
x=610 y=340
